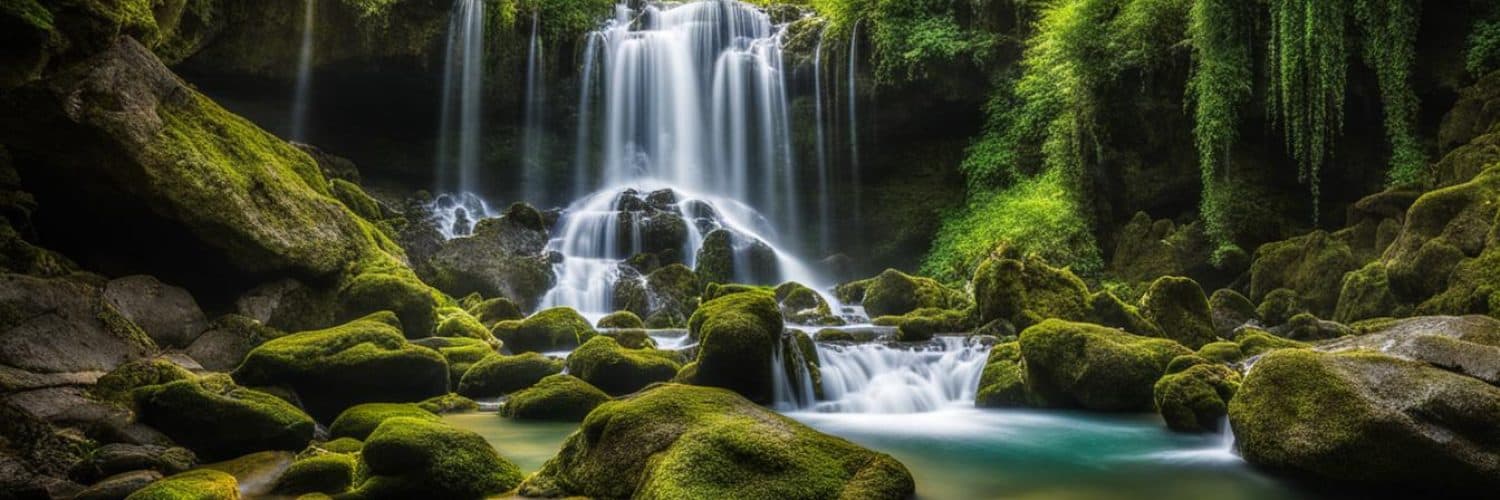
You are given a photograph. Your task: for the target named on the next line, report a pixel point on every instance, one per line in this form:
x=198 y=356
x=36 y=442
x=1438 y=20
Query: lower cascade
x=887 y=378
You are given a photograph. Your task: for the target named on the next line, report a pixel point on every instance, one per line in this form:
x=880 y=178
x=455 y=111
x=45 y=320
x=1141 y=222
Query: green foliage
x=910 y=39
x=1483 y=53
x=1307 y=63
x=1038 y=215
x=1219 y=88
x=1389 y=29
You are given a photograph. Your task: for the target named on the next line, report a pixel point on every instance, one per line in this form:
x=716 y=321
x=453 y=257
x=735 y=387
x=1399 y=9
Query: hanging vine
x=1307 y=63
x=1219 y=87
x=1389 y=32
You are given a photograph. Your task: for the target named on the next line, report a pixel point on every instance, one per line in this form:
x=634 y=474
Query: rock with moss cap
x=1081 y=365
x=408 y=458
x=1196 y=398
x=1178 y=307
x=1312 y=265
x=412 y=301
x=1221 y=352
x=555 y=329
x=448 y=403
x=1306 y=327
x=736 y=334
x=893 y=293
x=359 y=421
x=460 y=353
x=618 y=370
x=458 y=323
x=801 y=305
x=1107 y=309
x=631 y=338
x=678 y=441
x=218 y=419
x=199 y=484
x=725 y=252
x=358 y=362
x=1003 y=382
x=494 y=310
x=1362 y=416
x=1366 y=293
x=621 y=319
x=328 y=473
x=117 y=384
x=673 y=293
x=560 y=397
x=497 y=375
x=1279 y=306
x=1026 y=292
x=833 y=335
x=920 y=325
x=1229 y=310
x=1255 y=341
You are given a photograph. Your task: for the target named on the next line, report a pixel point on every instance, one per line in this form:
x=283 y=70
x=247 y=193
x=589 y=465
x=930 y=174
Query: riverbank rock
x=167 y=314
x=736 y=335
x=219 y=420
x=362 y=361
x=1178 y=307
x=1081 y=365
x=1002 y=384
x=195 y=484
x=1196 y=398
x=505 y=256
x=1469 y=345
x=558 y=328
x=410 y=458
x=359 y=421
x=560 y=397
x=498 y=374
x=678 y=441
x=894 y=293
x=1363 y=416
x=617 y=370
x=60 y=327
x=1027 y=292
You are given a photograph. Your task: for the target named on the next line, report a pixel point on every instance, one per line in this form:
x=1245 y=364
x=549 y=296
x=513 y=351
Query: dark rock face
x=505 y=257
x=728 y=256
x=57 y=329
x=168 y=314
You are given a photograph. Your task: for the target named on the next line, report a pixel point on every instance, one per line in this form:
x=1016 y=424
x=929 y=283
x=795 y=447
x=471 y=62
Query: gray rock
x=1469 y=345
x=505 y=256
x=226 y=343
x=167 y=313
x=113 y=459
x=119 y=486
x=63 y=326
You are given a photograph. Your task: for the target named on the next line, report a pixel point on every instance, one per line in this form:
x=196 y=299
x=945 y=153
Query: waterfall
x=791 y=390
x=303 y=92
x=825 y=194
x=854 y=121
x=463 y=87
x=881 y=378
x=534 y=182
x=587 y=87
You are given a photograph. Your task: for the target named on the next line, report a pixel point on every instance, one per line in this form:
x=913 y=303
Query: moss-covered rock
x=736 y=335
x=893 y=293
x=631 y=338
x=678 y=441
x=1312 y=265
x=494 y=310
x=1221 y=352
x=459 y=324
x=558 y=328
x=448 y=403
x=1196 y=398
x=727 y=256
x=617 y=370
x=1255 y=342
x=621 y=319
x=1081 y=365
x=218 y=420
x=833 y=335
x=412 y=301
x=200 y=484
x=556 y=397
x=1229 y=310
x=1003 y=382
x=328 y=473
x=1307 y=327
x=359 y=421
x=1026 y=292
x=1366 y=293
x=804 y=306
x=117 y=384
x=672 y=293
x=497 y=375
x=1178 y=307
x=921 y=324
x=1362 y=416
x=460 y=353
x=1107 y=309
x=504 y=257
x=407 y=457
x=361 y=361
x=1279 y=306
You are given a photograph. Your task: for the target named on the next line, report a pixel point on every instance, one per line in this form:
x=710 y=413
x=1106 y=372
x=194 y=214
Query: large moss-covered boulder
x=618 y=370
x=408 y=457
x=1255 y=341
x=1312 y=265
x=413 y=302
x=678 y=441
x=460 y=353
x=1081 y=365
x=1027 y=292
x=504 y=257
x=555 y=329
x=497 y=375
x=920 y=325
x=116 y=386
x=199 y=484
x=1178 y=307
x=804 y=306
x=1196 y=398
x=728 y=256
x=491 y=311
x=365 y=360
x=893 y=293
x=1003 y=381
x=1363 y=416
x=327 y=473
x=359 y=421
x=736 y=335
x=218 y=419
x=1229 y=310
x=671 y=296
x=1107 y=309
x=1446 y=260
x=560 y=397
x=621 y=319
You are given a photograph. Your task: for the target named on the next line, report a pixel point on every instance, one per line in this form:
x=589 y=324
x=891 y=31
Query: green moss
x=1186 y=361
x=921 y=324
x=1039 y=215
x=1293 y=389
x=200 y=484
x=495 y=310
x=1025 y=292
x=1279 y=306
x=460 y=353
x=329 y=473
x=117 y=384
x=1221 y=352
x=632 y=338
x=1366 y=293
x=359 y=421
x=448 y=403
x=361 y=361
x=407 y=457
x=342 y=445
x=736 y=334
x=352 y=196
x=1003 y=381
x=833 y=335
x=1254 y=342
x=461 y=324
x=677 y=441
x=1312 y=265
x=1089 y=366
x=550 y=330
x=556 y=397
x=1178 y=307
x=1307 y=327
x=616 y=370
x=497 y=375
x=218 y=420
x=411 y=300
x=621 y=319
x=1196 y=399
x=893 y=293
x=1108 y=310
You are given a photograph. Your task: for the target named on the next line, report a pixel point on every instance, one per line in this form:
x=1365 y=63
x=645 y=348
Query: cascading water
x=854 y=174
x=883 y=378
x=694 y=100
x=303 y=94
x=534 y=180
x=463 y=86
x=825 y=192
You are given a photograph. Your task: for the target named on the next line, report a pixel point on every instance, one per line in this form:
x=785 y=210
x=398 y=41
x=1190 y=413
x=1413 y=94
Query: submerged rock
x=678 y=441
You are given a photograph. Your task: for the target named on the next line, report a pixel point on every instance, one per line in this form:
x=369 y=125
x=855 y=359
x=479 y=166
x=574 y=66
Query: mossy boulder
x=1255 y=342
x=359 y=421
x=199 y=484
x=1366 y=293
x=1105 y=308
x=448 y=403
x=1178 y=307
x=921 y=324
x=1446 y=260
x=558 y=328
x=117 y=384
x=1003 y=382
x=1363 y=416
x=1230 y=310
x=1027 y=292
x=459 y=324
x=728 y=256
x=1147 y=249
x=804 y=306
x=461 y=353
x=1221 y=352
x=497 y=375
x=679 y=441
x=494 y=310
x=408 y=457
x=631 y=338
x=893 y=293
x=833 y=335
x=218 y=419
x=560 y=397
x=1082 y=365
x=621 y=319
x=328 y=473
x=504 y=257
x=1196 y=399
x=1312 y=265
x=1307 y=327
x=736 y=335
x=412 y=301
x=1278 y=307
x=362 y=361
x=672 y=293
x=617 y=370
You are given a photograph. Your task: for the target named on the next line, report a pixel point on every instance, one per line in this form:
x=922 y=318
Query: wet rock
x=505 y=257
x=1080 y=365
x=1196 y=398
x=617 y=370
x=558 y=328
x=728 y=256
x=168 y=314
x=119 y=458
x=119 y=486
x=736 y=335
